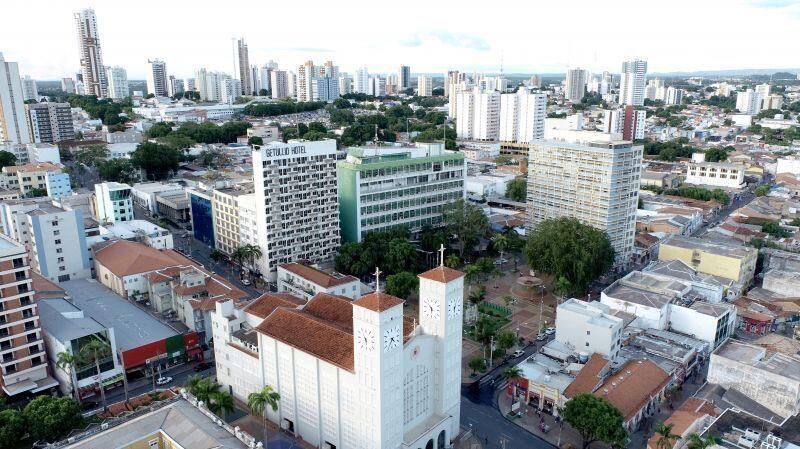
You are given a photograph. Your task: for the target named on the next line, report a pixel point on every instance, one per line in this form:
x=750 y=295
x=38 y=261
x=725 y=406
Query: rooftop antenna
x=377 y=280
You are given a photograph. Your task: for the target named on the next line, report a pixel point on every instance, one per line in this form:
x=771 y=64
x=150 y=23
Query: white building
x=278 y=84
x=478 y=114
x=632 y=82
x=144 y=193
x=404 y=77
x=298 y=213
x=325 y=88
x=424 y=85
x=157 y=78
x=377 y=86
x=113 y=202
x=29 y=89
x=141 y=231
x=229 y=90
x=117 y=82
x=174 y=86
x=589 y=327
x=748 y=102
x=575 y=85
x=50 y=122
x=305 y=281
x=568 y=170
x=717 y=174
x=68 y=85
x=92 y=67
x=361 y=81
x=522 y=116
x=788 y=165
x=674 y=96
x=13 y=121
x=345 y=84
x=351 y=375
x=305 y=74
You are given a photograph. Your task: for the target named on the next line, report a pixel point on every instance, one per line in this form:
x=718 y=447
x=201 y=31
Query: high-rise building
x=325 y=88
x=255 y=79
x=328 y=69
x=345 y=83
x=535 y=81
x=404 y=77
x=209 y=84
x=424 y=85
x=298 y=208
x=306 y=73
x=291 y=84
x=396 y=168
x=278 y=84
x=587 y=175
x=189 y=85
x=674 y=95
x=113 y=202
x=764 y=90
x=50 y=122
x=575 y=86
x=117 y=79
x=229 y=89
x=652 y=88
x=450 y=78
x=478 y=114
x=24 y=359
x=13 y=122
x=628 y=121
x=157 y=78
x=68 y=85
x=522 y=116
x=92 y=68
x=361 y=81
x=265 y=75
x=174 y=86
x=377 y=86
x=748 y=102
x=245 y=75
x=632 y=82
x=29 y=89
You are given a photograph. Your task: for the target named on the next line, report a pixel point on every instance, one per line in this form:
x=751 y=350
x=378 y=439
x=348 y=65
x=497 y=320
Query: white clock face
x=454 y=308
x=391 y=338
x=430 y=307
x=365 y=339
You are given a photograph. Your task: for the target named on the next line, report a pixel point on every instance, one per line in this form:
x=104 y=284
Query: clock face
x=430 y=307
x=391 y=338
x=365 y=339
x=453 y=308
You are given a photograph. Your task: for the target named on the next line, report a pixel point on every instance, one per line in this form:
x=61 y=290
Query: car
x=163 y=380
x=202 y=366
x=550 y=331
x=246 y=282
x=541 y=337
x=518 y=353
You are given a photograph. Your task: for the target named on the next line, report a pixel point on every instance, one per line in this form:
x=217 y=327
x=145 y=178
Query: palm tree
x=698 y=442
x=259 y=401
x=512 y=374
x=452 y=261
x=501 y=243
x=202 y=389
x=471 y=273
x=220 y=402
x=252 y=253
x=667 y=439
x=65 y=361
x=238 y=256
x=96 y=350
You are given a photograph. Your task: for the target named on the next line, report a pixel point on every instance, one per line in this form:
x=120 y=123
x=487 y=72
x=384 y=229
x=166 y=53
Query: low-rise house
x=737 y=263
x=304 y=280
x=588 y=327
x=542 y=383
x=693 y=416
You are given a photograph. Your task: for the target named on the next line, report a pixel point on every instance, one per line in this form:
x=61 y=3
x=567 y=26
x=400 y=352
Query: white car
x=245 y=281
x=550 y=331
x=518 y=353
x=163 y=380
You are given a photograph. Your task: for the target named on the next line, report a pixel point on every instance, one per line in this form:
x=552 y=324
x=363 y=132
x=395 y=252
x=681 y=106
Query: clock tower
x=378 y=351
x=441 y=293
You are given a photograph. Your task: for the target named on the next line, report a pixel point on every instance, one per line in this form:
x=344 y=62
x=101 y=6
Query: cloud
x=459 y=40
x=770 y=4
x=298 y=49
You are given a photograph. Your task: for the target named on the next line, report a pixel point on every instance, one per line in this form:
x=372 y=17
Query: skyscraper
x=157 y=78
x=478 y=114
x=117 y=79
x=424 y=86
x=68 y=85
x=278 y=83
x=522 y=116
x=450 y=78
x=404 y=77
x=575 y=85
x=174 y=86
x=94 y=77
x=361 y=81
x=50 y=122
x=632 y=82
x=306 y=73
x=245 y=75
x=29 y=89
x=13 y=122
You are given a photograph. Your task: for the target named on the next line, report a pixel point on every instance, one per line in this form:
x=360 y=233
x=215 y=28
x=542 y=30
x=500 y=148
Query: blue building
x=58 y=184
x=202 y=216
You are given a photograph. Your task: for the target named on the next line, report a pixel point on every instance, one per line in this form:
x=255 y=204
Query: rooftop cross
x=441 y=255
x=377 y=280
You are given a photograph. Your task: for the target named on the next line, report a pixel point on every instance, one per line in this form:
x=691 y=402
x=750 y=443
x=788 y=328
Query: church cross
x=377 y=279
x=441 y=255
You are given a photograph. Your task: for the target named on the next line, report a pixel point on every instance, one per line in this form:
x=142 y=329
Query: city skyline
x=448 y=36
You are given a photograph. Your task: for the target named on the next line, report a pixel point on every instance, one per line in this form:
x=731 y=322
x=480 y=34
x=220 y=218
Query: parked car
x=541 y=337
x=202 y=366
x=518 y=353
x=246 y=282
x=550 y=331
x=163 y=380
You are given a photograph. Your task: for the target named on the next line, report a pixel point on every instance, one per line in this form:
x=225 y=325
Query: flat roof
x=54 y=319
x=637 y=295
x=714 y=248
x=133 y=327
x=545 y=371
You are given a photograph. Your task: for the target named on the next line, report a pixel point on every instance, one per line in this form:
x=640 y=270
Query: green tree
x=53 y=417
x=95 y=351
x=65 y=361
x=512 y=374
x=118 y=170
x=260 y=400
x=352 y=259
x=160 y=129
x=565 y=247
x=400 y=256
x=452 y=261
x=471 y=273
x=255 y=140
x=595 y=419
x=477 y=364
x=666 y=439
x=467 y=223
x=698 y=442
x=517 y=190
x=7 y=159
x=220 y=403
x=774 y=229
x=342 y=117
x=762 y=190
x=91 y=155
x=155 y=159
x=12 y=427
x=262 y=92
x=402 y=284
x=505 y=341
x=716 y=154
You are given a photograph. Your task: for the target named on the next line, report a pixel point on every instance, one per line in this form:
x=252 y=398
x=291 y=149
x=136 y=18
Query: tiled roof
x=124 y=258
x=44 y=166
x=683 y=418
x=378 y=301
x=333 y=308
x=442 y=274
x=316 y=276
x=588 y=378
x=632 y=387
x=268 y=302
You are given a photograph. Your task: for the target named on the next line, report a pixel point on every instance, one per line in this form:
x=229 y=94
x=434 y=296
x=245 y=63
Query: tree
x=774 y=229
x=402 y=284
x=118 y=170
x=255 y=140
x=216 y=255
x=7 y=159
x=716 y=154
x=160 y=129
x=352 y=259
x=762 y=190
x=91 y=155
x=65 y=361
x=467 y=223
x=12 y=427
x=53 y=417
x=565 y=247
x=262 y=92
x=517 y=190
x=666 y=439
x=512 y=373
x=595 y=419
x=96 y=350
x=471 y=273
x=452 y=261
x=505 y=341
x=477 y=364
x=500 y=242
x=698 y=442
x=400 y=256
x=201 y=388
x=259 y=401
x=220 y=403
x=156 y=159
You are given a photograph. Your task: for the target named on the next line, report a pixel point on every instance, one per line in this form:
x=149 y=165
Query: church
x=352 y=374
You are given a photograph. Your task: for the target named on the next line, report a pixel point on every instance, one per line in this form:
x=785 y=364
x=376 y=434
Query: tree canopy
x=54 y=417
x=595 y=419
x=517 y=190
x=12 y=427
x=402 y=284
x=391 y=251
x=281 y=108
x=7 y=159
x=155 y=159
x=569 y=249
x=467 y=223
x=118 y=170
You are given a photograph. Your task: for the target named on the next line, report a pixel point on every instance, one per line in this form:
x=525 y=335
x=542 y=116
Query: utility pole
x=491 y=352
x=124 y=377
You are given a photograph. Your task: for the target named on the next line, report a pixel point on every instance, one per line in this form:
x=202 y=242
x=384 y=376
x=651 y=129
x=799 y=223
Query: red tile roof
x=442 y=274
x=268 y=302
x=632 y=387
x=378 y=301
x=589 y=378
x=319 y=277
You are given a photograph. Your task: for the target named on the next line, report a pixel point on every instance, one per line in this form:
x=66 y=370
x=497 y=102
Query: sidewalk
x=528 y=420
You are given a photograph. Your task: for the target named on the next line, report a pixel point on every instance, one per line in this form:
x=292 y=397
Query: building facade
x=92 y=68
x=117 y=79
x=478 y=113
x=157 y=78
x=575 y=86
x=50 y=122
x=632 y=82
x=113 y=202
x=522 y=116
x=13 y=121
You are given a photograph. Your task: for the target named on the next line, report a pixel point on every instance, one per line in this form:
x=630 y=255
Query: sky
x=430 y=36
